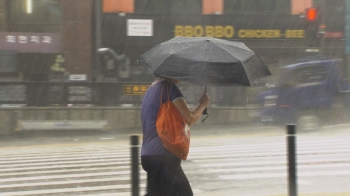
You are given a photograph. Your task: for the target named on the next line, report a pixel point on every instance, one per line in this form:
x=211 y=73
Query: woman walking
x=165 y=176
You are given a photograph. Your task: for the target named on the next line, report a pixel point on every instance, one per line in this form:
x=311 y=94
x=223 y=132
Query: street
x=223 y=160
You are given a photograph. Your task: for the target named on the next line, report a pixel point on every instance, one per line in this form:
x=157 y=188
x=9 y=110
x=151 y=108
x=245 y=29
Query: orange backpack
x=172 y=128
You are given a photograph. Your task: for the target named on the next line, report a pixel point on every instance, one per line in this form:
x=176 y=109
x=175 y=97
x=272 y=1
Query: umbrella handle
x=205 y=111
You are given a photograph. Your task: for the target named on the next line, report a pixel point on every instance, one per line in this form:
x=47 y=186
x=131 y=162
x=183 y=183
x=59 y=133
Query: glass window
x=256 y=6
x=168 y=6
x=332 y=6
x=189 y=6
x=2 y=16
x=34 y=15
x=310 y=75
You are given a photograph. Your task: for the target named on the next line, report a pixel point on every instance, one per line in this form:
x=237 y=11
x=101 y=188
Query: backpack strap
x=161 y=93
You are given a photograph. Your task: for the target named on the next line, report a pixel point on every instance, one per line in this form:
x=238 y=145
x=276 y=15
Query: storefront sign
x=13 y=92
x=79 y=93
x=135 y=89
x=229 y=32
x=31 y=42
x=139 y=27
x=77 y=77
x=334 y=35
x=58 y=65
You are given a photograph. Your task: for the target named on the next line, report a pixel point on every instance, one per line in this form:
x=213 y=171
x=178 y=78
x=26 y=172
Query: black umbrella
x=205 y=61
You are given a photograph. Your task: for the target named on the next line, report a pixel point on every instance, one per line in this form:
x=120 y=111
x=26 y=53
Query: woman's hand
x=191 y=116
x=204 y=100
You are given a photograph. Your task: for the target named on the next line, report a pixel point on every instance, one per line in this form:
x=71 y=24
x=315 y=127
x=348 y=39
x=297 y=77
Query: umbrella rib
x=228 y=51
x=172 y=54
x=184 y=60
x=245 y=71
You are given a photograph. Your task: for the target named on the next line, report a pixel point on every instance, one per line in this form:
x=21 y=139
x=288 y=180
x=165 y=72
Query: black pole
x=292 y=176
x=134 y=139
x=98 y=36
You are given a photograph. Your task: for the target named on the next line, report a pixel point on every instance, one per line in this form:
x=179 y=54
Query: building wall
x=78 y=36
x=2 y=15
x=126 y=6
x=208 y=6
x=75 y=30
x=213 y=6
x=298 y=6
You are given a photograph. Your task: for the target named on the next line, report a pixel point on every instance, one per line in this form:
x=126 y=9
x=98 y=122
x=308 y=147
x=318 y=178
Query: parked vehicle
x=310 y=93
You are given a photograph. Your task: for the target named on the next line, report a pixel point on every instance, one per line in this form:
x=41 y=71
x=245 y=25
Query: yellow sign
x=58 y=65
x=135 y=89
x=205 y=31
x=228 y=31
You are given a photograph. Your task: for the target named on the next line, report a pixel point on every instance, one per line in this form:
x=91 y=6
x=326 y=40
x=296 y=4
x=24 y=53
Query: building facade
x=275 y=29
x=46 y=40
x=57 y=40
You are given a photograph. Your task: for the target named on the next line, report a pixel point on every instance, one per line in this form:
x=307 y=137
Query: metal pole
x=98 y=35
x=292 y=176
x=134 y=139
x=347 y=38
x=323 y=16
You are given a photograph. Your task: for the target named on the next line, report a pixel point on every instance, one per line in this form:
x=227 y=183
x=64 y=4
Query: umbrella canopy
x=205 y=61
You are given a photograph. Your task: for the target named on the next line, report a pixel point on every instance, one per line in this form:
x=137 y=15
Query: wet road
x=223 y=160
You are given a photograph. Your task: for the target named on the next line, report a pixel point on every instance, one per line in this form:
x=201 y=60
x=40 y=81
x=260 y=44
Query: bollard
x=292 y=176
x=134 y=140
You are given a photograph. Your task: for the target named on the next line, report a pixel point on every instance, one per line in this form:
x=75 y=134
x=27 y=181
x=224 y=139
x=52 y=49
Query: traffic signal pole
x=347 y=38
x=322 y=27
x=98 y=35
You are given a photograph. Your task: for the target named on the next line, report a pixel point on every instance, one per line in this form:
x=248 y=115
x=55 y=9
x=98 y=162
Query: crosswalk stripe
x=113 y=194
x=64 y=190
x=65 y=182
x=115 y=160
x=280 y=175
x=264 y=168
x=261 y=154
x=279 y=147
x=192 y=153
x=269 y=144
x=126 y=155
x=65 y=170
x=45 y=156
x=85 y=175
x=223 y=161
x=227 y=162
x=66 y=166
x=232 y=156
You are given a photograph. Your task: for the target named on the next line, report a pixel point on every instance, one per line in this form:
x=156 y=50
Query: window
x=332 y=6
x=256 y=6
x=168 y=6
x=311 y=74
x=34 y=15
x=304 y=75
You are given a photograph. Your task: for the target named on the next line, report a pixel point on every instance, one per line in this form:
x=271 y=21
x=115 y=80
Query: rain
x=259 y=92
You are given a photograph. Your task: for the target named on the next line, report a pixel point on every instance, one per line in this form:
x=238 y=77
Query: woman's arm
x=192 y=116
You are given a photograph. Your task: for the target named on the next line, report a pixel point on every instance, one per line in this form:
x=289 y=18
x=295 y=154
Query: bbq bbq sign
x=229 y=31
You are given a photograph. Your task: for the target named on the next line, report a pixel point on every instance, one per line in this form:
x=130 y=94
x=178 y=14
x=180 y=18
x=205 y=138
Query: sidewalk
x=318 y=194
x=254 y=193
